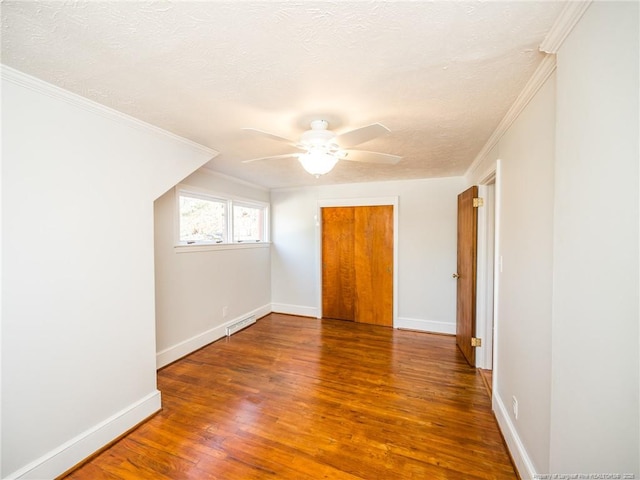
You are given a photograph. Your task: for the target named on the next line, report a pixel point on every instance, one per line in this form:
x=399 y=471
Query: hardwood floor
x=299 y=398
x=487 y=376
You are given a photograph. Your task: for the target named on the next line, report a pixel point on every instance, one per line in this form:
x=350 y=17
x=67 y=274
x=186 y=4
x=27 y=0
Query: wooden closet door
x=373 y=255
x=357 y=264
x=338 y=270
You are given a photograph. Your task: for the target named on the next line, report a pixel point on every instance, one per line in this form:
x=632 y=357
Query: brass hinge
x=478 y=202
x=476 y=342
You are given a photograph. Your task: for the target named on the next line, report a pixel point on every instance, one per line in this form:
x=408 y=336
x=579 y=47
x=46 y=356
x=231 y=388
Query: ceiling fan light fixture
x=323 y=148
x=317 y=163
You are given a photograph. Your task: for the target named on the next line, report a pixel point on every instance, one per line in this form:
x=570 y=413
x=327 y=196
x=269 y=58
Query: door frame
x=485 y=273
x=357 y=202
x=491 y=330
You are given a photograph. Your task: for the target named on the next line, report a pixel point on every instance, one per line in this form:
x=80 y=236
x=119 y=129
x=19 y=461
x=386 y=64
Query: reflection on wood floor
x=300 y=398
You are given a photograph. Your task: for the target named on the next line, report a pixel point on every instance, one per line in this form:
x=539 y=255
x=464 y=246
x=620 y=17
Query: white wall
x=78 y=335
x=568 y=309
x=427 y=248
x=294 y=253
x=526 y=246
x=193 y=286
x=595 y=405
x=522 y=366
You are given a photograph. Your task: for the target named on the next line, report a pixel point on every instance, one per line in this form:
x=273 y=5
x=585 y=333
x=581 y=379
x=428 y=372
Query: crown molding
x=224 y=176
x=563 y=25
x=22 y=79
x=539 y=77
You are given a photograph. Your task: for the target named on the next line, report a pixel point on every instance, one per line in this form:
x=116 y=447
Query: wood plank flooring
x=487 y=376
x=299 y=398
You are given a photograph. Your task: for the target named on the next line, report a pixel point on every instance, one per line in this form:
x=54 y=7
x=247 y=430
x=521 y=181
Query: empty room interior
x=320 y=239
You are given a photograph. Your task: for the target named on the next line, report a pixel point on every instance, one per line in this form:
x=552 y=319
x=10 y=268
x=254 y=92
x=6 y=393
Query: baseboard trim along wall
x=179 y=350
x=432 y=326
x=295 y=310
x=70 y=453
x=518 y=453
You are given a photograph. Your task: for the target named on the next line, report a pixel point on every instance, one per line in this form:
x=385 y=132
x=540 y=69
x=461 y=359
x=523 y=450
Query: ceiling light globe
x=317 y=163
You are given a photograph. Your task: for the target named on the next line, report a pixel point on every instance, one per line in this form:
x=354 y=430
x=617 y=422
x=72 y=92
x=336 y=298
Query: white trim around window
x=217 y=233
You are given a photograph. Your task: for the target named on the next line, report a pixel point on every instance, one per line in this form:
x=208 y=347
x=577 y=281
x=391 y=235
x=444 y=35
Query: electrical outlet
x=225 y=311
x=514 y=405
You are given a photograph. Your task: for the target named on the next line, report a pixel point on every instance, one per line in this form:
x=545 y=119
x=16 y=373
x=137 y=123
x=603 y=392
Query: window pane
x=202 y=220
x=248 y=224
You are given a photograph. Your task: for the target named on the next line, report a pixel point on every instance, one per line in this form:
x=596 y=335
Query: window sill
x=218 y=246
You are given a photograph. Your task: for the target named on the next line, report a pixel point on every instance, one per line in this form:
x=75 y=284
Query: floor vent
x=240 y=324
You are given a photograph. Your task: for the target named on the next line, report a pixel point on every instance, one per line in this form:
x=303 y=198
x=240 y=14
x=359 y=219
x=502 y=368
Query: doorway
x=486 y=274
x=477 y=274
x=488 y=278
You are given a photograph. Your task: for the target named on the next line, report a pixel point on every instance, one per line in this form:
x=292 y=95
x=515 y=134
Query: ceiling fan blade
x=286 y=155
x=361 y=135
x=272 y=136
x=371 y=157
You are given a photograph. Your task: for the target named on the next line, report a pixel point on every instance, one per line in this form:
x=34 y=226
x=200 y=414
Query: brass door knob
x=456 y=275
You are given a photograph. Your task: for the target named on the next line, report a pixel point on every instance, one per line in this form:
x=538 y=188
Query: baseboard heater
x=240 y=324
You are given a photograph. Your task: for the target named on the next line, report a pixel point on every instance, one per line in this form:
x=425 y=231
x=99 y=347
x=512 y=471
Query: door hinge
x=478 y=202
x=476 y=342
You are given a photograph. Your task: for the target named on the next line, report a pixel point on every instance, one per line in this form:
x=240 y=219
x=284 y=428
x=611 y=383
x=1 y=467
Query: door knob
x=456 y=275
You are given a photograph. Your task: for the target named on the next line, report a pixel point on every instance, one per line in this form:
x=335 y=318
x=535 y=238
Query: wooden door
x=338 y=268
x=357 y=264
x=374 y=264
x=466 y=273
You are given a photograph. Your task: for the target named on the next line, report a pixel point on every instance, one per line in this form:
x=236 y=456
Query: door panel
x=357 y=264
x=338 y=271
x=466 y=270
x=374 y=264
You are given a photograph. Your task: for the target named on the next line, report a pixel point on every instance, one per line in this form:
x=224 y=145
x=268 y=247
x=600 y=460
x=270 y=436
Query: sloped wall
x=78 y=326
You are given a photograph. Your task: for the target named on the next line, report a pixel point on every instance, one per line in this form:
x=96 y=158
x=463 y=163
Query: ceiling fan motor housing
x=319 y=138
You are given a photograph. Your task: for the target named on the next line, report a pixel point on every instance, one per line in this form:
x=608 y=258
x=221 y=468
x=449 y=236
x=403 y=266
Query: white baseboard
x=519 y=454
x=295 y=310
x=69 y=454
x=179 y=350
x=425 y=325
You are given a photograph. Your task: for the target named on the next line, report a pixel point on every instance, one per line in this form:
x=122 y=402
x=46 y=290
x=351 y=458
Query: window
x=202 y=220
x=208 y=219
x=248 y=223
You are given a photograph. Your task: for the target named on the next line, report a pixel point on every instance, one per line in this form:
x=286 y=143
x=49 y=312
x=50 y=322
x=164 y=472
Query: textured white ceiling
x=440 y=75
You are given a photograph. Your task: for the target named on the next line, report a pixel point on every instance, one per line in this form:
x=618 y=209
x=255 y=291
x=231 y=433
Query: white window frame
x=248 y=204
x=209 y=198
x=230 y=200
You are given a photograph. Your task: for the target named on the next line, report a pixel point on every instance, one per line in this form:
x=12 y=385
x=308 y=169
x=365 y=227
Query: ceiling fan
x=321 y=148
